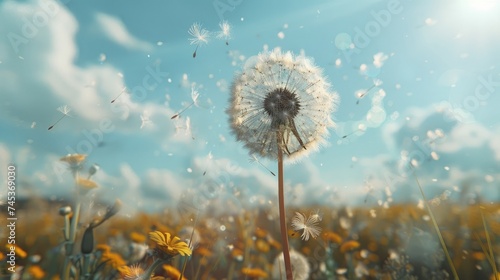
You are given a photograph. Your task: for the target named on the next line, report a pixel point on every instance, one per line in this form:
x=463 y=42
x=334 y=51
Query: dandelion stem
x=436 y=227
x=52 y=126
x=178 y=114
x=281 y=199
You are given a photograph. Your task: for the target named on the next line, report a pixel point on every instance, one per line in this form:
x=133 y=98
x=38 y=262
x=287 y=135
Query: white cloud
x=467 y=155
x=47 y=77
x=116 y=30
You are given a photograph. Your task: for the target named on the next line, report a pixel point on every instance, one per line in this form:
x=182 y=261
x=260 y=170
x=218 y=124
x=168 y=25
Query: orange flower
x=262 y=246
x=19 y=252
x=173 y=272
x=103 y=247
x=332 y=237
x=137 y=237
x=73 y=159
x=202 y=251
x=114 y=260
x=348 y=246
x=168 y=245
x=254 y=272
x=86 y=184
x=36 y=272
x=261 y=233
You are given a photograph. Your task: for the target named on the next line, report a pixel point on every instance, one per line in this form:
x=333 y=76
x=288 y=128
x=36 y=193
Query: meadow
x=394 y=241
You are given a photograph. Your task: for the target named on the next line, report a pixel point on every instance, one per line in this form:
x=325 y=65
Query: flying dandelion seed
x=225 y=31
x=194 y=98
x=145 y=121
x=309 y=226
x=282 y=96
x=65 y=111
x=253 y=158
x=363 y=94
x=200 y=36
x=123 y=90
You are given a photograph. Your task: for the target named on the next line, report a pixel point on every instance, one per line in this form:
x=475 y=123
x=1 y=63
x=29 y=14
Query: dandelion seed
x=199 y=34
x=253 y=158
x=194 y=97
x=123 y=90
x=145 y=119
x=363 y=94
x=309 y=226
x=225 y=31
x=65 y=111
x=285 y=97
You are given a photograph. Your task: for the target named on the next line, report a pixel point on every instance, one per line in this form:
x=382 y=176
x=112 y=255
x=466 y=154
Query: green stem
x=441 y=240
x=281 y=200
x=72 y=234
x=152 y=268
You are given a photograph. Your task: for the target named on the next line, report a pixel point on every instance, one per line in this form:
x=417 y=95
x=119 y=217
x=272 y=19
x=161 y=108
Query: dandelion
x=309 y=226
x=225 y=31
x=300 y=266
x=199 y=34
x=132 y=272
x=65 y=111
x=281 y=103
x=123 y=90
x=167 y=246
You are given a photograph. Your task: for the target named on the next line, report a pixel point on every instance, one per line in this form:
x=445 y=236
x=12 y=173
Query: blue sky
x=434 y=66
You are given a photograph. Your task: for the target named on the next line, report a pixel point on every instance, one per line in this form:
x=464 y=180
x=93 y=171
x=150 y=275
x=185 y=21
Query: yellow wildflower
x=348 y=246
x=254 y=272
x=73 y=159
x=173 y=272
x=168 y=245
x=36 y=272
x=137 y=237
x=86 y=184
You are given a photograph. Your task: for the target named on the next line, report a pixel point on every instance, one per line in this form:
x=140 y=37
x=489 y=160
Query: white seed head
x=281 y=101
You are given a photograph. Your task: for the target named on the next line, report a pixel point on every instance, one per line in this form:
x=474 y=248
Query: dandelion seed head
x=199 y=35
x=278 y=92
x=300 y=266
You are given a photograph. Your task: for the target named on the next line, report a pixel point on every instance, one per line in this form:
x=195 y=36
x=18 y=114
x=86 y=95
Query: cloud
x=445 y=155
x=42 y=76
x=116 y=31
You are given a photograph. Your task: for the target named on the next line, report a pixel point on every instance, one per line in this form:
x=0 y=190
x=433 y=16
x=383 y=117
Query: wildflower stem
x=281 y=199
x=441 y=240
x=72 y=233
x=490 y=249
x=152 y=268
